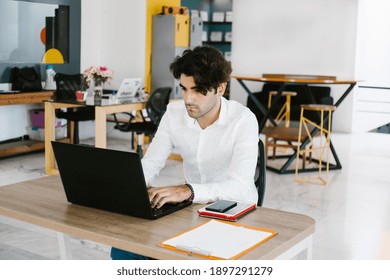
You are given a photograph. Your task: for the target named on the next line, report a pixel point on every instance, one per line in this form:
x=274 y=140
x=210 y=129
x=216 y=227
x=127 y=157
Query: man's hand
x=161 y=195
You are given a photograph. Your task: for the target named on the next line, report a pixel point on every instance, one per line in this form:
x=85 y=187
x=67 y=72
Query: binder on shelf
x=204 y=15
x=229 y=16
x=209 y=240
x=228 y=56
x=194 y=13
x=228 y=36
x=216 y=36
x=204 y=36
x=218 y=17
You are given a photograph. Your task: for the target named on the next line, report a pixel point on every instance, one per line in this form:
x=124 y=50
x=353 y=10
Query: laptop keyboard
x=168 y=207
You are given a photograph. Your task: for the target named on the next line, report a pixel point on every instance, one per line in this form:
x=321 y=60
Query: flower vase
x=97 y=93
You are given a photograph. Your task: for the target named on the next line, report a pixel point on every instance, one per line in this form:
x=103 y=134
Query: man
x=216 y=138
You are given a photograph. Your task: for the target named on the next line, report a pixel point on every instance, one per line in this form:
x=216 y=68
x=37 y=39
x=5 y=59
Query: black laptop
x=108 y=180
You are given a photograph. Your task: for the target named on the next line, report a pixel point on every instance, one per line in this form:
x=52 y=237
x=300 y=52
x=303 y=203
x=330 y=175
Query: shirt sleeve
x=239 y=185
x=158 y=151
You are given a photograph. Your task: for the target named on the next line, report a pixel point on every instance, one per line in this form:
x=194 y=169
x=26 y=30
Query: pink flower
x=99 y=74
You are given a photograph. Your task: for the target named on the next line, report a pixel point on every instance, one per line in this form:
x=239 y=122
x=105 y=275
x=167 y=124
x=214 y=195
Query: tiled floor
x=352 y=213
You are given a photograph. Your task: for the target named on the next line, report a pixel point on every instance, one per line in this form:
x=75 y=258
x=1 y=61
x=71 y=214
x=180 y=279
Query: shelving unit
x=24 y=144
x=211 y=6
x=224 y=27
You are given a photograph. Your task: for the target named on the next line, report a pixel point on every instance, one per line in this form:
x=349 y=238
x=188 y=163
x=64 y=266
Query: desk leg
x=307 y=253
x=50 y=167
x=301 y=251
x=100 y=127
x=64 y=246
x=264 y=111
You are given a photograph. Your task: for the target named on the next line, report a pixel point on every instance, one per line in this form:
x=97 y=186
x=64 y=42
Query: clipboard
x=209 y=240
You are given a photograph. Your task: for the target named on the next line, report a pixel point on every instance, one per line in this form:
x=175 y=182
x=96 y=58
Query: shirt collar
x=223 y=114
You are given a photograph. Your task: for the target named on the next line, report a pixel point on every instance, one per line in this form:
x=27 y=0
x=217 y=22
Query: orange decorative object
x=53 y=56
x=43 y=36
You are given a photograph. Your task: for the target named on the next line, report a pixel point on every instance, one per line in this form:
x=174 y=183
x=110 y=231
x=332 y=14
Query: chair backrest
x=68 y=84
x=321 y=96
x=260 y=182
x=157 y=104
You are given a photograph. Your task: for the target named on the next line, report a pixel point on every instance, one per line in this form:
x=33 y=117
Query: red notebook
x=232 y=214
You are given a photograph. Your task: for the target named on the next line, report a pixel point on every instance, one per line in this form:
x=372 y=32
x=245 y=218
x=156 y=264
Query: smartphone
x=221 y=206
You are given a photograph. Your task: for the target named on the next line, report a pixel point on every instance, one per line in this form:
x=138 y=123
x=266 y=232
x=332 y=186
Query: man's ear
x=221 y=89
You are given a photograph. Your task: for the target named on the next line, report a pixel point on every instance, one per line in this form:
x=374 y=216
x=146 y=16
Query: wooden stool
x=287 y=134
x=311 y=147
x=284 y=113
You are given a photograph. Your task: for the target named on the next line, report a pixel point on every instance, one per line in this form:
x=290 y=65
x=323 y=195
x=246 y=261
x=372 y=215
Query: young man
x=216 y=138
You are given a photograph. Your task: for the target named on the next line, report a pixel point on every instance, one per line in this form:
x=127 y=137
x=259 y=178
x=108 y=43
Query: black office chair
x=155 y=108
x=67 y=85
x=260 y=182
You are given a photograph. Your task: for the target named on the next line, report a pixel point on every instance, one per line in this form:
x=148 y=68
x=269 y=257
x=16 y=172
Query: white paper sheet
x=218 y=239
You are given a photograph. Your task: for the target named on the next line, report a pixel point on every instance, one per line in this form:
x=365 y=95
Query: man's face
x=199 y=106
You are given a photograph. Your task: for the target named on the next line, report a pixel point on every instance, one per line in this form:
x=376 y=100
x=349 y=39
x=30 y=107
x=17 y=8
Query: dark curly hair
x=205 y=64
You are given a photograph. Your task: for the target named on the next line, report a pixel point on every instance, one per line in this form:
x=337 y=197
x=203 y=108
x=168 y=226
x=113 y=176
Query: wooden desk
x=283 y=80
x=100 y=125
x=42 y=202
x=24 y=146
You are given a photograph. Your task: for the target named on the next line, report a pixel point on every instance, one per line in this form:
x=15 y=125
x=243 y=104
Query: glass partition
x=23 y=30
x=39 y=32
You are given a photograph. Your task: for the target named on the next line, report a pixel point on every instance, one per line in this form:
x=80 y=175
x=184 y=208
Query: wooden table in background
x=286 y=79
x=101 y=113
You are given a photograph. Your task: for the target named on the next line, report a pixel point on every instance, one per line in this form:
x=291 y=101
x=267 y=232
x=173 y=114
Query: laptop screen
x=129 y=87
x=101 y=178
x=106 y=179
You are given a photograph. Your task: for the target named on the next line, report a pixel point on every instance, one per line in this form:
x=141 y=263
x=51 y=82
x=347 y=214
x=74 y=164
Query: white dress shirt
x=219 y=161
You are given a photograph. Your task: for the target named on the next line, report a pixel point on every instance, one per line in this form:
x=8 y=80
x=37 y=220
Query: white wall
x=113 y=34
x=295 y=37
x=372 y=105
